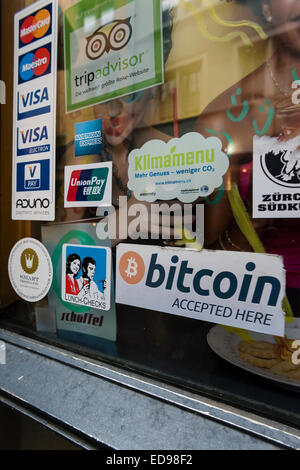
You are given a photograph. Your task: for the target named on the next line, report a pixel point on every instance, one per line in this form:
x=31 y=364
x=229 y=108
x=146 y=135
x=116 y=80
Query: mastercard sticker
x=36 y=26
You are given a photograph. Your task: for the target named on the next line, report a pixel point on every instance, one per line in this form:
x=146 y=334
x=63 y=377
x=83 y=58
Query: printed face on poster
x=86 y=281
x=34 y=136
x=276 y=178
x=112 y=49
x=235 y=289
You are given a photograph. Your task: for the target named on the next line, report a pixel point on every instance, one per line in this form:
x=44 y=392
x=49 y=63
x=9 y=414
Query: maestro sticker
x=186 y=168
x=30 y=269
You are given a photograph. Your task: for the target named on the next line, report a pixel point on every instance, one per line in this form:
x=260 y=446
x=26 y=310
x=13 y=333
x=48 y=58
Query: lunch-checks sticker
x=243 y=290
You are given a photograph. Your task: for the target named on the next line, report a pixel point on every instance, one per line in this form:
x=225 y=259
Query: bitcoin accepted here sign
x=30 y=269
x=235 y=289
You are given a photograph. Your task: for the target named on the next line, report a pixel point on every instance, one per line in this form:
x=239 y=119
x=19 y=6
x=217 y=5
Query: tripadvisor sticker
x=184 y=168
x=112 y=49
x=30 y=269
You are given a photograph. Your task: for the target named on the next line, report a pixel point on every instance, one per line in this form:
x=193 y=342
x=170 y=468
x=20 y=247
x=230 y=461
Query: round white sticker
x=30 y=269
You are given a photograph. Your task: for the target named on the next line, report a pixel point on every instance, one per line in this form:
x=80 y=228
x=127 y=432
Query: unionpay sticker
x=88 y=185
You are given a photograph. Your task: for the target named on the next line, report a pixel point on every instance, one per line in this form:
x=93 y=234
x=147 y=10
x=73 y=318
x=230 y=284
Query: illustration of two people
x=83 y=286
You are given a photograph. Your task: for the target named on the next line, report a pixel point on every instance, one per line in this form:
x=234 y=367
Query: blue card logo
x=33 y=140
x=88 y=138
x=35 y=64
x=33 y=176
x=33 y=103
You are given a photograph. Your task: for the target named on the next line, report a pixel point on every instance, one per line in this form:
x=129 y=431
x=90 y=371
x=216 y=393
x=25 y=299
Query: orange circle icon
x=132 y=267
x=42 y=23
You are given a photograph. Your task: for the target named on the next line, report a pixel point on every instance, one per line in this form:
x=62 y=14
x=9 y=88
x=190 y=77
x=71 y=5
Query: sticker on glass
x=185 y=168
x=86 y=272
x=30 y=269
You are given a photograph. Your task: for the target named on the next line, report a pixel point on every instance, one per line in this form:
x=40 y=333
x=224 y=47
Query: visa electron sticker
x=30 y=269
x=88 y=185
x=34 y=121
x=185 y=168
x=34 y=139
x=86 y=273
x=276 y=178
x=230 y=288
x=88 y=138
x=112 y=49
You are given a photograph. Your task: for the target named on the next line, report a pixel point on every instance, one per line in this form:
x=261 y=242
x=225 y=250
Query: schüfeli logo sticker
x=30 y=269
x=34 y=101
x=34 y=64
x=36 y=26
x=235 y=289
x=112 y=49
x=86 y=272
x=88 y=185
x=33 y=176
x=186 y=168
x=88 y=138
x=276 y=178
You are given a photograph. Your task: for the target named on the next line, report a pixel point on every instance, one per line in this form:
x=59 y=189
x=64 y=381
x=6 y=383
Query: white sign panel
x=276 y=178
x=35 y=45
x=30 y=269
x=88 y=185
x=186 y=168
x=230 y=288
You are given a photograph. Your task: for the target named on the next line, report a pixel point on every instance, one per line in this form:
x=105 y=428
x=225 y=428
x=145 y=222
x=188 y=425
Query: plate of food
x=268 y=356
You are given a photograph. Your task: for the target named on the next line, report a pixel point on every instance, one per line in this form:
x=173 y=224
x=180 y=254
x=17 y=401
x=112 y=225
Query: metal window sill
x=100 y=406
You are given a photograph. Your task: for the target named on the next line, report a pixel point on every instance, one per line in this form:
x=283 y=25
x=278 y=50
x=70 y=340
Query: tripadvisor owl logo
x=29 y=261
x=112 y=36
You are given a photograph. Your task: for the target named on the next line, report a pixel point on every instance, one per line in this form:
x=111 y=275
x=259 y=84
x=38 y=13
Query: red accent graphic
x=42 y=54
x=75 y=176
x=25 y=34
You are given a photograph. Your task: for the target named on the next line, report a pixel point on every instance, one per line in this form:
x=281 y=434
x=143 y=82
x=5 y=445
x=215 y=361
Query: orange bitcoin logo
x=132 y=267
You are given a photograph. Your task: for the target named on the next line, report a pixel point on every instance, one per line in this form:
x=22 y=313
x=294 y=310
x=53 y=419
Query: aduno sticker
x=30 y=269
x=186 y=168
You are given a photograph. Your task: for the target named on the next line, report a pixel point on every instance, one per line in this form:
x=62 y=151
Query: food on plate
x=276 y=357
